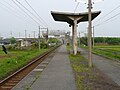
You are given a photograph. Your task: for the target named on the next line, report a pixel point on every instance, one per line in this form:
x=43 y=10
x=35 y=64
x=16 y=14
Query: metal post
x=34 y=34
x=19 y=34
x=25 y=38
x=11 y=34
x=90 y=33
x=25 y=34
x=39 y=37
x=29 y=35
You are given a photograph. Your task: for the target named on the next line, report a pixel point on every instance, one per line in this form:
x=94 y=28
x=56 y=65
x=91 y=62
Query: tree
x=12 y=40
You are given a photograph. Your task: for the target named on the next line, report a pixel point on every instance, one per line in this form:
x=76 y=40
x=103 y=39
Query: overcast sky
x=14 y=21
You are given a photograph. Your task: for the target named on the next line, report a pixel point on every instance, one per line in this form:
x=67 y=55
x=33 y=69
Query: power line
x=11 y=9
x=14 y=8
x=76 y=7
x=109 y=12
x=107 y=20
x=35 y=11
x=24 y=11
x=9 y=4
x=6 y=6
x=28 y=10
x=8 y=9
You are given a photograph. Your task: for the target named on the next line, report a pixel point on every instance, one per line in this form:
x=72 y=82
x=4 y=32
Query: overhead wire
x=29 y=11
x=35 y=12
x=76 y=7
x=106 y=15
x=5 y=6
x=10 y=10
x=25 y=12
x=107 y=20
x=14 y=8
x=9 y=5
x=109 y=13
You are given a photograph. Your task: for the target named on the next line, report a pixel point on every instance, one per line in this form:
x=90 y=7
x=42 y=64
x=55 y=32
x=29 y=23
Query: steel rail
x=9 y=82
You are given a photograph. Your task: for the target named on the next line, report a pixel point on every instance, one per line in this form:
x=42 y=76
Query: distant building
x=4 y=41
x=24 y=42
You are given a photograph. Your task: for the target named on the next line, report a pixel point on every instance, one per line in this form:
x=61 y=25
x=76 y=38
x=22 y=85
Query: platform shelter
x=73 y=19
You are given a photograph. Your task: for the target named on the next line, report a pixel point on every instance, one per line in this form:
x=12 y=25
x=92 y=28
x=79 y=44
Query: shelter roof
x=64 y=16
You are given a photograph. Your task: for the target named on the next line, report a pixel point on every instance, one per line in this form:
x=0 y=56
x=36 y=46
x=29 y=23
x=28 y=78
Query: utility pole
x=25 y=37
x=0 y=36
x=11 y=34
x=29 y=35
x=47 y=35
x=93 y=37
x=34 y=34
x=79 y=38
x=39 y=37
x=90 y=32
x=25 y=34
x=19 y=34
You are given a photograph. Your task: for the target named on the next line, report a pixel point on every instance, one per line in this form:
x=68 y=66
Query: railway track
x=9 y=82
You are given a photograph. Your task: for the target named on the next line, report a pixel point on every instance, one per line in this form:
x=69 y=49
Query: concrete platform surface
x=110 y=67
x=58 y=75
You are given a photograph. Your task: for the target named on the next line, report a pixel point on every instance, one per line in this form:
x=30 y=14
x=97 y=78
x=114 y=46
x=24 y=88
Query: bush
x=43 y=45
x=11 y=47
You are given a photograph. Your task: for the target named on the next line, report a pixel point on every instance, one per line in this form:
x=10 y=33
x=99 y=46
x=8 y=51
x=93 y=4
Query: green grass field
x=15 y=60
x=109 y=51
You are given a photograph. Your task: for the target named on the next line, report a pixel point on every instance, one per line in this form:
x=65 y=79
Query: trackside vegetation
x=16 y=60
x=18 y=56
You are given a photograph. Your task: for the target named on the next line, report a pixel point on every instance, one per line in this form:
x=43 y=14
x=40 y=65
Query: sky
x=15 y=19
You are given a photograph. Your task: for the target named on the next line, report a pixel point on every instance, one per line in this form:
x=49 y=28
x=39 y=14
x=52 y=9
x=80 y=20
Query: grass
x=108 y=51
x=90 y=78
x=84 y=75
x=16 y=60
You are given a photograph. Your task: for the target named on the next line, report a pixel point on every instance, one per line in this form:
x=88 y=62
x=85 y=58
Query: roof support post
x=74 y=33
x=74 y=37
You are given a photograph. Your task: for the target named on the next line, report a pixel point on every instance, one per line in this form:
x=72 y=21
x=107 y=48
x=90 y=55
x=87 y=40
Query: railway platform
x=58 y=75
x=110 y=67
